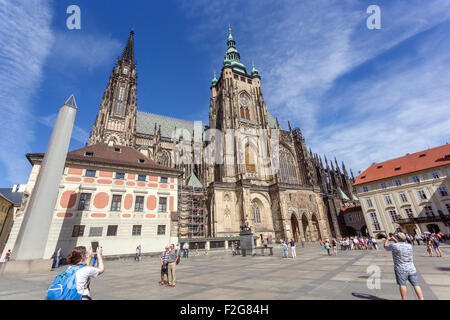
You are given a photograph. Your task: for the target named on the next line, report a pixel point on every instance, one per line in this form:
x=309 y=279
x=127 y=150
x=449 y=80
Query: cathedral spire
x=128 y=52
x=214 y=80
x=232 y=57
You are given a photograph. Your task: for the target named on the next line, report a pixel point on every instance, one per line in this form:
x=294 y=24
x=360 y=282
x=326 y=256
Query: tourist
x=334 y=245
x=78 y=257
x=430 y=247
x=327 y=246
x=164 y=268
x=293 y=252
x=355 y=244
x=285 y=249
x=196 y=249
x=206 y=248
x=186 y=250
x=435 y=242
x=138 y=253
x=374 y=243
x=417 y=238
x=303 y=244
x=171 y=266
x=233 y=248
x=402 y=254
x=8 y=255
x=57 y=258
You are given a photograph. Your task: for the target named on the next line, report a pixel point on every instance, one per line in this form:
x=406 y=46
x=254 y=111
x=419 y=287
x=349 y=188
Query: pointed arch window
x=288 y=173
x=164 y=160
x=250 y=163
x=256 y=212
x=121 y=93
x=119 y=109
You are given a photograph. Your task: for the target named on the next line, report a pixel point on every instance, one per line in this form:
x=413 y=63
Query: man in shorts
x=402 y=254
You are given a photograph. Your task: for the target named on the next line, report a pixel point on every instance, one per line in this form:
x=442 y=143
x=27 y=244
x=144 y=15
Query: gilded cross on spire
x=229 y=28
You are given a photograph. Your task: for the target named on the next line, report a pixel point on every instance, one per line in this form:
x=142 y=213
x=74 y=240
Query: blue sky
x=361 y=95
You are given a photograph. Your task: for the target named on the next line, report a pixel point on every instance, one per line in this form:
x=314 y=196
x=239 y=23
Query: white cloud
x=304 y=48
x=78 y=134
x=25 y=41
x=78 y=49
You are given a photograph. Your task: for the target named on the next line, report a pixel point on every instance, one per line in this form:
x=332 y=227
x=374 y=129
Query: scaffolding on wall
x=192 y=219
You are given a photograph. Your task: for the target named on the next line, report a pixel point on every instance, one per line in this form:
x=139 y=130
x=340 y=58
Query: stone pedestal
x=247 y=242
x=26 y=266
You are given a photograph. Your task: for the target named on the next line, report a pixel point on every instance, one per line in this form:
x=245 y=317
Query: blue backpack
x=64 y=287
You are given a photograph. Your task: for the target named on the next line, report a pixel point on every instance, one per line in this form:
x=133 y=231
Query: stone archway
x=316 y=234
x=306 y=228
x=433 y=228
x=364 y=230
x=294 y=227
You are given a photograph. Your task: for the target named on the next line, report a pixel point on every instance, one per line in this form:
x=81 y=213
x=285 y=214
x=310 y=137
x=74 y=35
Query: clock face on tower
x=244 y=102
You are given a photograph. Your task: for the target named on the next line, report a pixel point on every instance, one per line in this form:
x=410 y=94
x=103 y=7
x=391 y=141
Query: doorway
x=294 y=227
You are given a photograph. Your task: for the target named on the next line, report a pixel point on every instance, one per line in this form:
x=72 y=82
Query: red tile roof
x=422 y=160
x=102 y=153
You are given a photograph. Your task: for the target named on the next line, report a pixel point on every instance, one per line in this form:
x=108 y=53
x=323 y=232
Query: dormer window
x=422 y=155
x=398 y=168
x=89 y=154
x=141 y=160
x=379 y=167
x=118 y=150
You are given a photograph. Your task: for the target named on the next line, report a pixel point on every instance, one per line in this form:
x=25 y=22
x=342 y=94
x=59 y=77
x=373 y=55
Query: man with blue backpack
x=73 y=283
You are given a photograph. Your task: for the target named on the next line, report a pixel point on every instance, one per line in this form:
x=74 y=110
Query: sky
x=360 y=95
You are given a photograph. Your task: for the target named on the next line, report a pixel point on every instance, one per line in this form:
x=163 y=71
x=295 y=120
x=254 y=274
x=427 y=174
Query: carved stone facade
x=301 y=201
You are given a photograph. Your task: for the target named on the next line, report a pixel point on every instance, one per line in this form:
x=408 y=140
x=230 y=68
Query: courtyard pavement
x=219 y=275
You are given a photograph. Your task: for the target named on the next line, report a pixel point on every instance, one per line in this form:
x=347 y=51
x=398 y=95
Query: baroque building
x=302 y=200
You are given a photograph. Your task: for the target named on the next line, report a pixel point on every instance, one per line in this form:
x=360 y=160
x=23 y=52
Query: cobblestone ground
x=219 y=275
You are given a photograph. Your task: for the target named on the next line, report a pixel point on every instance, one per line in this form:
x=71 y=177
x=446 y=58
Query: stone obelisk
x=33 y=235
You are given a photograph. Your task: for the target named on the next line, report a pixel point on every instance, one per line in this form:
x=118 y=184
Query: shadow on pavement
x=366 y=296
x=443 y=269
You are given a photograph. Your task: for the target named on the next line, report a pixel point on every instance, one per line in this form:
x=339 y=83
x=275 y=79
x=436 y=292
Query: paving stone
x=312 y=275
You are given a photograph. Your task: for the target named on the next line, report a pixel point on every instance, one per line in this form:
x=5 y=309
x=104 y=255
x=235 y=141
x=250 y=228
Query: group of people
x=169 y=259
x=433 y=242
x=289 y=245
x=357 y=243
x=82 y=269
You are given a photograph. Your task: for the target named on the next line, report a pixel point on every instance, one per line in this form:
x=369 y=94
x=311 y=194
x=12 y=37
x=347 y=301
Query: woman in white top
x=79 y=256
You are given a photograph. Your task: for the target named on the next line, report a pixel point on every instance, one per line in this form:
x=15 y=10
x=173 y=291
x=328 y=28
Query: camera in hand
x=94 y=245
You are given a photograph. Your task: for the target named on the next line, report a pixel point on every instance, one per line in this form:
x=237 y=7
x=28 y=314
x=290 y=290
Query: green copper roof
x=145 y=124
x=255 y=71
x=232 y=57
x=214 y=81
x=344 y=196
x=355 y=198
x=192 y=181
x=271 y=120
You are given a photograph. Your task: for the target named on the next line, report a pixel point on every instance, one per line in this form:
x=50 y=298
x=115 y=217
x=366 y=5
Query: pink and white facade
x=118 y=205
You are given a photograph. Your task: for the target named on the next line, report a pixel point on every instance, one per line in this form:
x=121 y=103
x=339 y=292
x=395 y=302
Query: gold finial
x=214 y=74
x=229 y=28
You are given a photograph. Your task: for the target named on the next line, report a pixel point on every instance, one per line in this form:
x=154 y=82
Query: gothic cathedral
x=302 y=200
